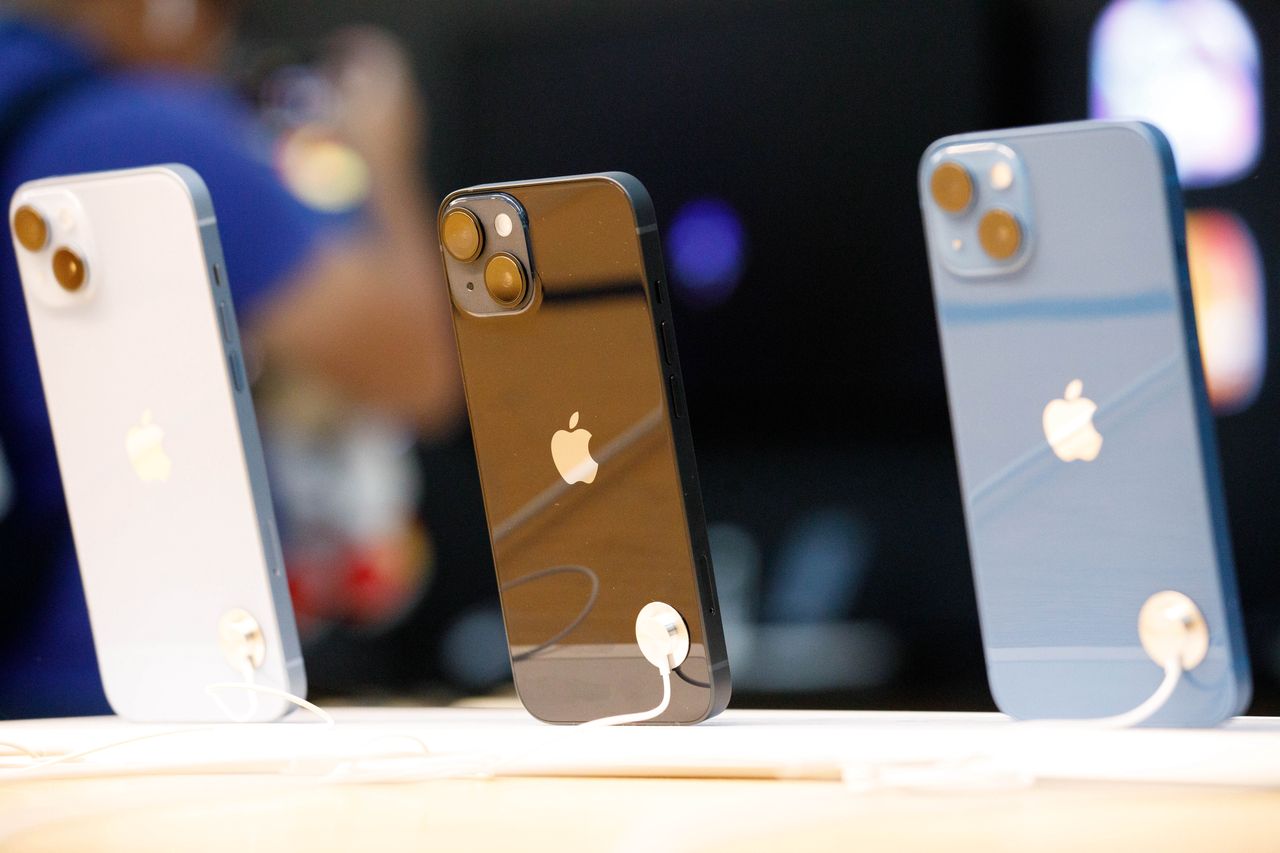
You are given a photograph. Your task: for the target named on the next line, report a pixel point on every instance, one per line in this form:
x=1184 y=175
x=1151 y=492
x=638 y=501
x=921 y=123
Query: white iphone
x=157 y=443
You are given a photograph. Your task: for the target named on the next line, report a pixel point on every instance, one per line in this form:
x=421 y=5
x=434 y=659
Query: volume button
x=224 y=322
x=668 y=342
x=709 y=581
x=236 y=370
x=677 y=403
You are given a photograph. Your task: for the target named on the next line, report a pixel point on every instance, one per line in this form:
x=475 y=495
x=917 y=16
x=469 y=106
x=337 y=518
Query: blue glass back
x=1065 y=553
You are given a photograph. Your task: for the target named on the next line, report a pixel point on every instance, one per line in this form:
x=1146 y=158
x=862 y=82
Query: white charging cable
x=128 y=769
x=1174 y=635
x=255 y=690
x=1172 y=630
x=661 y=634
x=245 y=656
x=640 y=716
x=1170 y=626
x=986 y=770
x=30 y=769
x=1173 y=671
x=663 y=638
x=244 y=647
x=16 y=748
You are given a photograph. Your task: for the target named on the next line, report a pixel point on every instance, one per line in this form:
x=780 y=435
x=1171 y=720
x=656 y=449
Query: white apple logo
x=145 y=446
x=571 y=454
x=1068 y=425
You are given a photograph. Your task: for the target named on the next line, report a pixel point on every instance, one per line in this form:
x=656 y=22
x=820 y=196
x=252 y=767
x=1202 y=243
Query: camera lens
x=1000 y=234
x=461 y=234
x=69 y=269
x=504 y=278
x=952 y=187
x=30 y=229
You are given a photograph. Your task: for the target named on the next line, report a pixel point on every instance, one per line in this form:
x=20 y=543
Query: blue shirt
x=89 y=118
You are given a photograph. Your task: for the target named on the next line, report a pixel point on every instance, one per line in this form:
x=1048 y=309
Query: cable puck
x=1172 y=627
x=662 y=635
x=241 y=640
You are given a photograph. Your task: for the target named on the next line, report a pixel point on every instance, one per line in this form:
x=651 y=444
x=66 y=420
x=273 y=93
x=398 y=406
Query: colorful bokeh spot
x=707 y=251
x=1227 y=287
x=1191 y=67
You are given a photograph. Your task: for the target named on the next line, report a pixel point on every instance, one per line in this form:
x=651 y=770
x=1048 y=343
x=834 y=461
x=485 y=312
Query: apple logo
x=1068 y=425
x=145 y=446
x=572 y=456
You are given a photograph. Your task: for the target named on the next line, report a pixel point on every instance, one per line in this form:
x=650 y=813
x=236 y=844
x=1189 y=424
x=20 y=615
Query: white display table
x=453 y=776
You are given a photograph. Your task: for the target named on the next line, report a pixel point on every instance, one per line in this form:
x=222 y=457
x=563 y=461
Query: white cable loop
x=18 y=748
x=976 y=772
x=422 y=765
x=255 y=690
x=985 y=770
x=1172 y=677
x=81 y=753
x=249 y=684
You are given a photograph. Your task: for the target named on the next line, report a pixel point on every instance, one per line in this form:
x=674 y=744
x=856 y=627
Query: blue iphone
x=1082 y=427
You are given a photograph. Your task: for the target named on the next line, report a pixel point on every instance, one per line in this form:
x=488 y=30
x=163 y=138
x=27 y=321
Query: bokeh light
x=321 y=170
x=707 y=250
x=1226 y=285
x=1192 y=68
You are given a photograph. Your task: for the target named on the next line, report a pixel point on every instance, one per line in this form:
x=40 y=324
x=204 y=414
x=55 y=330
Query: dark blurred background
x=785 y=137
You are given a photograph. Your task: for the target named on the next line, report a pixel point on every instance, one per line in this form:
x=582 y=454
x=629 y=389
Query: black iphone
x=586 y=459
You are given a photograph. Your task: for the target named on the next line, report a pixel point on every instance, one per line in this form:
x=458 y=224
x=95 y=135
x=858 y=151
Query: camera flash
x=957 y=244
x=502 y=224
x=1001 y=176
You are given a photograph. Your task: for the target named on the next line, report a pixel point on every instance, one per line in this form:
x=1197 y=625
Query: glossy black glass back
x=582 y=542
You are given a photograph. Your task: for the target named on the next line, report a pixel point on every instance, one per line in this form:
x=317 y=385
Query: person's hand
x=379 y=110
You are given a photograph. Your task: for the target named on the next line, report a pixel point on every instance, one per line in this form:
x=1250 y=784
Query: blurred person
x=354 y=302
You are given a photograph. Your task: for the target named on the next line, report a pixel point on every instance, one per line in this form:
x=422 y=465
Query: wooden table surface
x=253 y=813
